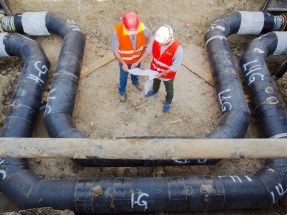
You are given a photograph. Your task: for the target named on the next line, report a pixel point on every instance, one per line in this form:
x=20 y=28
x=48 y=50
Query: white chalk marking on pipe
x=279 y=136
x=220 y=27
x=215 y=37
x=249 y=179
x=4 y=174
x=260 y=51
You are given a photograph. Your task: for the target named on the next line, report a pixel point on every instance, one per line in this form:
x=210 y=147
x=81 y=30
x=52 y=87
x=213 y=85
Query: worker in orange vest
x=167 y=55
x=129 y=40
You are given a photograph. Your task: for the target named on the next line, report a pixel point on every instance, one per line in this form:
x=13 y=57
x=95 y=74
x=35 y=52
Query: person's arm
x=163 y=73
x=119 y=58
x=144 y=47
x=143 y=56
x=177 y=59
x=146 y=35
x=115 y=46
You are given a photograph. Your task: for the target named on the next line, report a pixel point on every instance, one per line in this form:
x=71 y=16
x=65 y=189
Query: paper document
x=148 y=72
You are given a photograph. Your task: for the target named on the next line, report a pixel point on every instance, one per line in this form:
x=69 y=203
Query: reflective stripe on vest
x=162 y=62
x=126 y=49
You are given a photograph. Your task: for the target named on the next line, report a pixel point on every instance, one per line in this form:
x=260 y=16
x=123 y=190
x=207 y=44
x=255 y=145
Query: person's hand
x=134 y=65
x=159 y=75
x=125 y=67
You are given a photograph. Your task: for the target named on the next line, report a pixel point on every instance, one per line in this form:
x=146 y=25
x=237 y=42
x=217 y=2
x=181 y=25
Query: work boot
x=122 y=97
x=150 y=93
x=139 y=87
x=166 y=107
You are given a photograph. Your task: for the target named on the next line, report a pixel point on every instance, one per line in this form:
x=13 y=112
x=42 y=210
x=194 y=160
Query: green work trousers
x=168 y=88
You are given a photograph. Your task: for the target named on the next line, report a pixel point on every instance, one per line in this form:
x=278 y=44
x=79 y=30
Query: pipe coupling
x=280 y=22
x=7 y=24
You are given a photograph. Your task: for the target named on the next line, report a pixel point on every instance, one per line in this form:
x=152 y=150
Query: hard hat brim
x=132 y=31
x=159 y=40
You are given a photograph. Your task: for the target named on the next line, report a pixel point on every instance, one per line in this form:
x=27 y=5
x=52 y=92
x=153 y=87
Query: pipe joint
x=7 y=24
x=280 y=22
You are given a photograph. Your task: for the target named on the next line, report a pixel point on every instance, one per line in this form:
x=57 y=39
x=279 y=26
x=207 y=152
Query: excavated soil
x=99 y=114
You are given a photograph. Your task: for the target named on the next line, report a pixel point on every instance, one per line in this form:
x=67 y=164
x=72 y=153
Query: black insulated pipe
x=116 y=195
x=24 y=104
x=267 y=102
x=112 y=195
x=145 y=163
x=16 y=179
x=59 y=108
x=236 y=115
x=58 y=114
x=189 y=193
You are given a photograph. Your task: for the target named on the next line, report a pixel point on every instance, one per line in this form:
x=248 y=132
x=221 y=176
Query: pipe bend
x=16 y=179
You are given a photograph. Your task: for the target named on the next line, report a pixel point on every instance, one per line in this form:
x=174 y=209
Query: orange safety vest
x=161 y=63
x=126 y=49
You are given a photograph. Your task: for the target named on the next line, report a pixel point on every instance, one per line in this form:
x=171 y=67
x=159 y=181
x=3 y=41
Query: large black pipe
x=16 y=179
x=110 y=195
x=146 y=163
x=267 y=102
x=236 y=115
x=58 y=114
x=118 y=195
x=25 y=101
x=59 y=108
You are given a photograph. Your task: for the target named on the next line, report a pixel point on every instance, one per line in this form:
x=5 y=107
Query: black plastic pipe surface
x=58 y=114
x=236 y=115
x=146 y=163
x=191 y=193
x=26 y=99
x=16 y=179
x=118 y=195
x=267 y=102
x=59 y=108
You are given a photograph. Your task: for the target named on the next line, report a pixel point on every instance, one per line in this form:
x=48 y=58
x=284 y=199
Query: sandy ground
x=99 y=113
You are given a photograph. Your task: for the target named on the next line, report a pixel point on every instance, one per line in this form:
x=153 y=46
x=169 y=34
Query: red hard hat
x=131 y=21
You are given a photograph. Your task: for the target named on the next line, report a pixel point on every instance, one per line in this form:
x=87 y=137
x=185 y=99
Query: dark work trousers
x=168 y=88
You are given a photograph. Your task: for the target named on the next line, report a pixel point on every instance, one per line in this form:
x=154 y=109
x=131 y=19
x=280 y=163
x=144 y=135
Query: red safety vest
x=162 y=62
x=126 y=49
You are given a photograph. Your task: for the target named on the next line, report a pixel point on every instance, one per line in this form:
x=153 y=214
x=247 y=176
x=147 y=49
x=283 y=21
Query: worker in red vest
x=167 y=55
x=129 y=40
